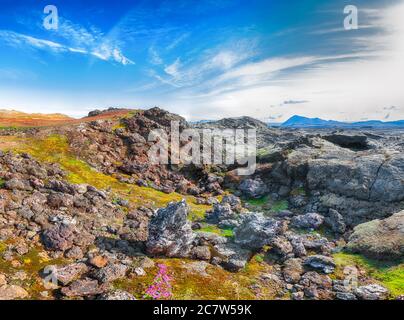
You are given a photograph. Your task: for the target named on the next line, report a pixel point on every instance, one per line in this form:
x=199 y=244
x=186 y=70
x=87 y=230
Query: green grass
x=389 y=274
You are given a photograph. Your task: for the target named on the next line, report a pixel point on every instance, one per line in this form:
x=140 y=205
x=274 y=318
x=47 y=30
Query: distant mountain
x=298 y=121
x=303 y=122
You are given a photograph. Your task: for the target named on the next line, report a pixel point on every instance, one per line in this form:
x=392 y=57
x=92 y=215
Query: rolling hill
x=13 y=118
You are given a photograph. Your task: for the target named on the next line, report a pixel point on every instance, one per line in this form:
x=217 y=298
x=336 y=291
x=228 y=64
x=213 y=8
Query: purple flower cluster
x=161 y=287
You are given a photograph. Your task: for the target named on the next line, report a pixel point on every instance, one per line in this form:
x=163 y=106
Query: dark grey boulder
x=170 y=233
x=335 y=221
x=320 y=263
x=253 y=188
x=307 y=221
x=233 y=201
x=220 y=212
x=231 y=256
x=372 y=292
x=257 y=231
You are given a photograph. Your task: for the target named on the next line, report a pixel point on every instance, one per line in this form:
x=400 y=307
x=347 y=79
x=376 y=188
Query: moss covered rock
x=380 y=239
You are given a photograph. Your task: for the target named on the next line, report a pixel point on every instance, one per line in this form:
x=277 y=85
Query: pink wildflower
x=161 y=287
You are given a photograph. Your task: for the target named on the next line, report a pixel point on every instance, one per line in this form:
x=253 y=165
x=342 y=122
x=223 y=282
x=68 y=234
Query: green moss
x=119 y=125
x=2 y=183
x=55 y=149
x=389 y=274
x=131 y=113
x=210 y=228
x=279 y=206
x=266 y=204
x=257 y=202
x=3 y=247
x=197 y=213
x=259 y=258
x=228 y=233
x=393 y=279
x=262 y=152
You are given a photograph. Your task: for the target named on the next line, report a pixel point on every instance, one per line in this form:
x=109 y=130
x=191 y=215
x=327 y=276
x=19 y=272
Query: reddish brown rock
x=98 y=261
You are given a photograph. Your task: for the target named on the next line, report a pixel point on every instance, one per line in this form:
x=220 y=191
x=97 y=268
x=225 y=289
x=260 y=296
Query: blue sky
x=205 y=59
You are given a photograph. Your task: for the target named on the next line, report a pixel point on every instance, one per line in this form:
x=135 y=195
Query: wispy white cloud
x=195 y=71
x=177 y=41
x=173 y=69
x=93 y=41
x=78 y=35
x=226 y=59
x=107 y=52
x=71 y=38
x=17 y=40
x=266 y=67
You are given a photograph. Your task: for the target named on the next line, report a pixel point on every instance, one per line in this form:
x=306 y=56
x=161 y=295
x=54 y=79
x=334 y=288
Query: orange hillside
x=12 y=118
